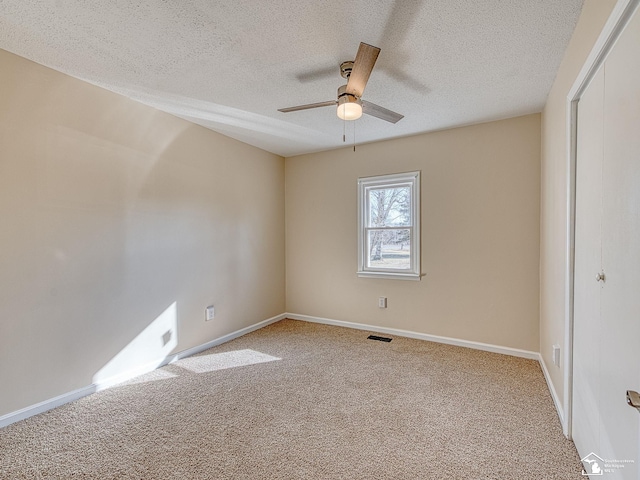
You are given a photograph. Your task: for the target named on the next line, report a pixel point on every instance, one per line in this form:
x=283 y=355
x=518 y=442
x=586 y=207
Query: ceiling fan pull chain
x=354 y=136
x=344 y=130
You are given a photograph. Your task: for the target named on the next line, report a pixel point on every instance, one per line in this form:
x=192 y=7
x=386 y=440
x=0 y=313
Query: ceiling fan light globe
x=349 y=111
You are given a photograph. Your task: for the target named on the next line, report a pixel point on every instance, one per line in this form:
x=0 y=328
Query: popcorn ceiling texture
x=330 y=405
x=230 y=64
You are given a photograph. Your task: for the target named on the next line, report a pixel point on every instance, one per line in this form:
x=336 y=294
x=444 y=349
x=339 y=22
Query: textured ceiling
x=230 y=64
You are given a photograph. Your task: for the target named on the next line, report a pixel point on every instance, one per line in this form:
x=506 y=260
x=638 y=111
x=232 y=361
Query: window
x=389 y=226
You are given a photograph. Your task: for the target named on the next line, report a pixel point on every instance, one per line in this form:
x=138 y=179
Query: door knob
x=600 y=277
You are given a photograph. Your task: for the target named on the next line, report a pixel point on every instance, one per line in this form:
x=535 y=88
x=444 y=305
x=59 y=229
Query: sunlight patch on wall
x=224 y=360
x=144 y=353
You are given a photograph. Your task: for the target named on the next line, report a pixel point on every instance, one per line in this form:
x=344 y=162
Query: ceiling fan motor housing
x=344 y=97
x=345 y=69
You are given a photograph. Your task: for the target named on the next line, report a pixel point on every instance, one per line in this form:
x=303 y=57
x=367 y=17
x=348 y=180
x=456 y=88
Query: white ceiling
x=230 y=64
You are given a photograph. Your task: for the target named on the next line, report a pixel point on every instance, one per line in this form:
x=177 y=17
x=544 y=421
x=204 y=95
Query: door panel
x=620 y=301
x=607 y=238
x=586 y=349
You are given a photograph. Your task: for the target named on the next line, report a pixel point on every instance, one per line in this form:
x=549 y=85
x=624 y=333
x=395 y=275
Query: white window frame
x=412 y=180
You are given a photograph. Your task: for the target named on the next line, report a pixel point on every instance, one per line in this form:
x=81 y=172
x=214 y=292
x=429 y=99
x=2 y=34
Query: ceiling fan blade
x=380 y=112
x=306 y=107
x=362 y=66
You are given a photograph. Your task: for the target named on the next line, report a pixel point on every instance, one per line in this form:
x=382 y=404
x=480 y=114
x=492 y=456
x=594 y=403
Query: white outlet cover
x=210 y=313
x=556 y=355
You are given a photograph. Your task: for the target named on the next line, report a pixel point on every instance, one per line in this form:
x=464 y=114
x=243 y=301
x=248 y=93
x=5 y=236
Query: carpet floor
x=297 y=400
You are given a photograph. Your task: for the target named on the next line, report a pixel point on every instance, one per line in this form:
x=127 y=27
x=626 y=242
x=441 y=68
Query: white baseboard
x=225 y=338
x=449 y=341
x=173 y=357
x=148 y=367
x=60 y=400
x=552 y=390
x=136 y=371
x=515 y=352
x=42 y=407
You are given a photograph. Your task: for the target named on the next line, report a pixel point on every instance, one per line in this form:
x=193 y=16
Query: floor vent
x=380 y=339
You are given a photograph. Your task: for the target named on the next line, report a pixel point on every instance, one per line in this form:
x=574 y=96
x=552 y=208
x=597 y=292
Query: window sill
x=391 y=275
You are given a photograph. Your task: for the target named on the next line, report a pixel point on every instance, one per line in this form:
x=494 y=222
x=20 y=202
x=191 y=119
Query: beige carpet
x=305 y=401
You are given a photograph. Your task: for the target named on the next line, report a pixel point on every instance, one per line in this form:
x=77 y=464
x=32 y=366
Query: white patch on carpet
x=221 y=361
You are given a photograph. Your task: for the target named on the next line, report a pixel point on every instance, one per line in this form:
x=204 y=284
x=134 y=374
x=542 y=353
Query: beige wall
x=119 y=225
x=480 y=234
x=553 y=208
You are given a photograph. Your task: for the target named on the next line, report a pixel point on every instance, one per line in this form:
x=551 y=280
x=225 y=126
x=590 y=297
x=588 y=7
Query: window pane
x=389 y=207
x=389 y=249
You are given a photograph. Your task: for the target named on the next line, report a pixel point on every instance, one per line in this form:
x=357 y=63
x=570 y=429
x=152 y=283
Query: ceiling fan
x=349 y=102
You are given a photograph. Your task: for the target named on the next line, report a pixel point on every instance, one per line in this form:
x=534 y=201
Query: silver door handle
x=600 y=277
x=633 y=399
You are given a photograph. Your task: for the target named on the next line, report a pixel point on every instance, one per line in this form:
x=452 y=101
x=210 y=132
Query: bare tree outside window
x=389 y=208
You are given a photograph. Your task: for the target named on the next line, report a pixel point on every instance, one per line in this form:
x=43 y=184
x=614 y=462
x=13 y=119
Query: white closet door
x=607 y=311
x=620 y=301
x=588 y=262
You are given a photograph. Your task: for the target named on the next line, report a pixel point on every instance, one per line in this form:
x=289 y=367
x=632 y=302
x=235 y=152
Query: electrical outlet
x=382 y=302
x=556 y=355
x=210 y=313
